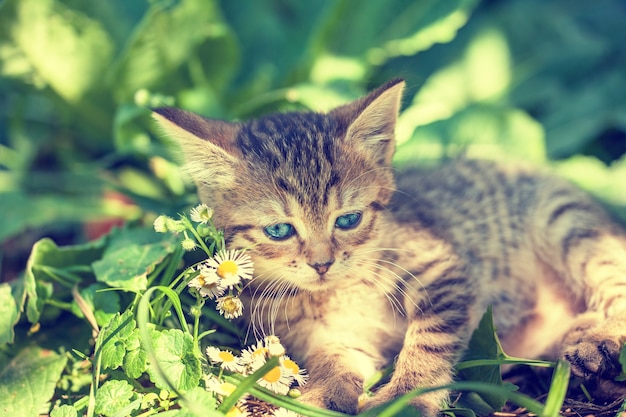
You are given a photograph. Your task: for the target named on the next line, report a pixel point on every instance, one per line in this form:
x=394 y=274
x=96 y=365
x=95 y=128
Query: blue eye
x=279 y=231
x=348 y=221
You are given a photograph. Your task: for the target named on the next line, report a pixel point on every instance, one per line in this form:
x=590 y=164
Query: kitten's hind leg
x=588 y=252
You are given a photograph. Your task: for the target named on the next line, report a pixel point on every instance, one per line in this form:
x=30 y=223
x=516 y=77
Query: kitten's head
x=303 y=192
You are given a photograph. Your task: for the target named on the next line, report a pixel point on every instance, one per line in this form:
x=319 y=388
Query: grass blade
x=558 y=389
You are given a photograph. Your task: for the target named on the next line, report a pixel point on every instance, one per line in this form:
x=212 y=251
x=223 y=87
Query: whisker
x=393 y=300
x=399 y=279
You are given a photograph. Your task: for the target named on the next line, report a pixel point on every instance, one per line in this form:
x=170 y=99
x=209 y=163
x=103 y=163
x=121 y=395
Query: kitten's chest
x=358 y=316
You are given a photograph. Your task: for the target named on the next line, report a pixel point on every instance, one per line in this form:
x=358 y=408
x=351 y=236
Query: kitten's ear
x=208 y=145
x=372 y=120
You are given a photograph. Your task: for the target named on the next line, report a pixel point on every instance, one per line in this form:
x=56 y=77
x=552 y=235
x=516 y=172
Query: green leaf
x=51 y=208
x=27 y=382
x=104 y=304
x=114 y=338
x=165 y=40
x=113 y=396
x=480 y=130
x=176 y=357
x=135 y=362
x=48 y=262
x=200 y=402
x=11 y=302
x=484 y=344
x=66 y=49
x=127 y=260
x=64 y=411
x=558 y=389
x=380 y=31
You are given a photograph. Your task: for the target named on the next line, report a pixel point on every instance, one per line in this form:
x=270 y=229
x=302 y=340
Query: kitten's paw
x=343 y=397
x=591 y=357
x=592 y=347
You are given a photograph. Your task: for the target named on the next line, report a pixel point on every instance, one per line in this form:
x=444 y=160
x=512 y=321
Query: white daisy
x=276 y=380
x=254 y=356
x=201 y=214
x=221 y=388
x=232 y=266
x=226 y=359
x=230 y=306
x=207 y=282
x=274 y=347
x=291 y=368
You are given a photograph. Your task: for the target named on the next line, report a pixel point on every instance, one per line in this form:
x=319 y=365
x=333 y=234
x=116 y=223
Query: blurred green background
x=536 y=80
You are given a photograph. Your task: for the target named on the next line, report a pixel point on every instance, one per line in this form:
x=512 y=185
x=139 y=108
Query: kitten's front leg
x=440 y=324
x=336 y=379
x=421 y=365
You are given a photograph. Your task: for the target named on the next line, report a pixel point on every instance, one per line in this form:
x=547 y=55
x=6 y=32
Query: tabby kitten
x=355 y=271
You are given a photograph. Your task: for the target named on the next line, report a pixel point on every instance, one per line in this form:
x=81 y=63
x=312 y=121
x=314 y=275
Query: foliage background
x=542 y=81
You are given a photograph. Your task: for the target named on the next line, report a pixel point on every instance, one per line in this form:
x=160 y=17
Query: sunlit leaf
x=135 y=362
x=49 y=34
x=479 y=131
x=130 y=257
x=175 y=354
x=104 y=304
x=27 y=382
x=114 y=339
x=48 y=263
x=64 y=411
x=11 y=303
x=484 y=344
x=113 y=396
x=166 y=39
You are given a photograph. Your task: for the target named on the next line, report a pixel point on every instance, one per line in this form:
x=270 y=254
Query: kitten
x=355 y=271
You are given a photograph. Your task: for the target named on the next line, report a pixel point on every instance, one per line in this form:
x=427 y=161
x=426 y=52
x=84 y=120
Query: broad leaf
x=114 y=339
x=484 y=344
x=66 y=49
x=135 y=362
x=104 y=304
x=27 y=382
x=130 y=257
x=113 y=396
x=64 y=411
x=49 y=263
x=165 y=40
x=174 y=351
x=11 y=303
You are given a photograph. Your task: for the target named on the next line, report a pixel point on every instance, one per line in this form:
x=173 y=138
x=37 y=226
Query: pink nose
x=322 y=268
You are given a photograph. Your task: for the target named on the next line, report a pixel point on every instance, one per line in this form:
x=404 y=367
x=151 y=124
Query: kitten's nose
x=322 y=268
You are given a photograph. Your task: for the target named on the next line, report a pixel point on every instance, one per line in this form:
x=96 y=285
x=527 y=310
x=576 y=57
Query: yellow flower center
x=226 y=356
x=260 y=352
x=201 y=280
x=227 y=268
x=230 y=306
x=227 y=388
x=272 y=376
x=291 y=365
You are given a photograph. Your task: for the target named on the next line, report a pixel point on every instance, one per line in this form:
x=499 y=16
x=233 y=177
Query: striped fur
x=410 y=281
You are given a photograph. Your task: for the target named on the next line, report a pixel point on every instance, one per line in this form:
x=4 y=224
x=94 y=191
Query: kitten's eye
x=280 y=231
x=348 y=221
